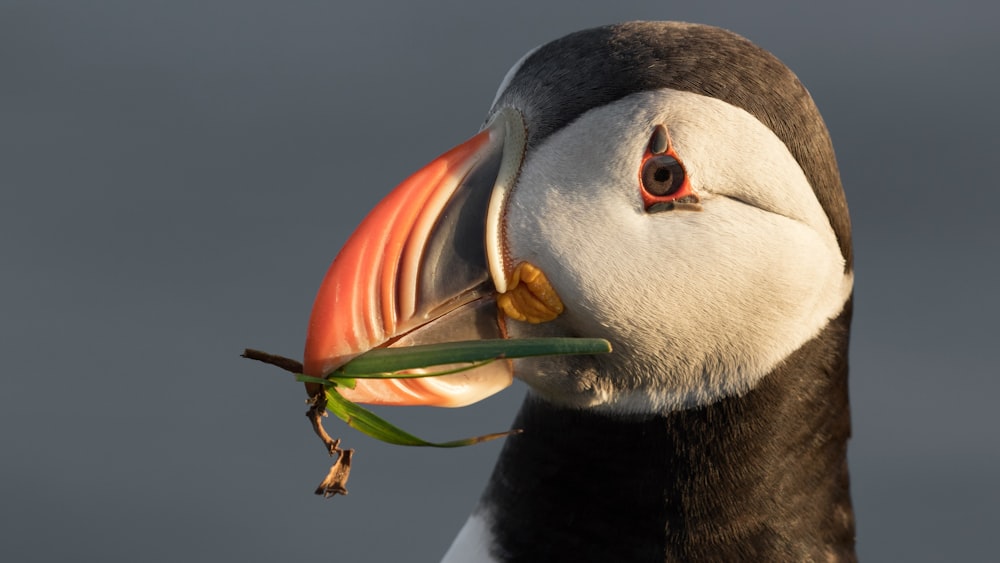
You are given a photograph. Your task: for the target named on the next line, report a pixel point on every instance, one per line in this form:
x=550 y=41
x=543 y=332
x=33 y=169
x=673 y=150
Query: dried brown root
x=335 y=482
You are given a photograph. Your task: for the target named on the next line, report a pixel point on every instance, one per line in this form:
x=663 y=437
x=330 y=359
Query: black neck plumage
x=761 y=477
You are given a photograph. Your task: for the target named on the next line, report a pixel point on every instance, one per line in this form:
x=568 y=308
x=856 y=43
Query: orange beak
x=418 y=270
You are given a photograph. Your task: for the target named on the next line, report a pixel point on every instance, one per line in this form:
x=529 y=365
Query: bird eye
x=662 y=175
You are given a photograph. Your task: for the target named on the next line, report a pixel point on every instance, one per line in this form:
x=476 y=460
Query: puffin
x=669 y=187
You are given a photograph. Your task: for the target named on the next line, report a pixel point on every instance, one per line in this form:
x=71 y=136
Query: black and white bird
x=669 y=187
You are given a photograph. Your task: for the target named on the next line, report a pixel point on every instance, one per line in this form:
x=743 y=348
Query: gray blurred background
x=175 y=178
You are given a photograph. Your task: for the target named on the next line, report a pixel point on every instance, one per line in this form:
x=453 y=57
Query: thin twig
x=315 y=414
x=282 y=362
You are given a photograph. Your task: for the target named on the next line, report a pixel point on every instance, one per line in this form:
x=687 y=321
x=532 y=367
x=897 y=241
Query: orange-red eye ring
x=662 y=177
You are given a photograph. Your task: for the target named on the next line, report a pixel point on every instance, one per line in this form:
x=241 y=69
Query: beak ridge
x=415 y=269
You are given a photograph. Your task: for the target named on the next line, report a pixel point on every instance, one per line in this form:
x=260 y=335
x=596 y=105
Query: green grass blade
x=310 y=379
x=373 y=425
x=383 y=362
x=348 y=382
x=335 y=376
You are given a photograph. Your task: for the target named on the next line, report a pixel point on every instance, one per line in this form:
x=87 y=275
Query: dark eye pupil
x=662 y=175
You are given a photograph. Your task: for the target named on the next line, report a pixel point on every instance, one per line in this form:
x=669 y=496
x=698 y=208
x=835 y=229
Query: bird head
x=668 y=187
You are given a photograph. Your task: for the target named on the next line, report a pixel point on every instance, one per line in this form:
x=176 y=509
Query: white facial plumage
x=699 y=305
